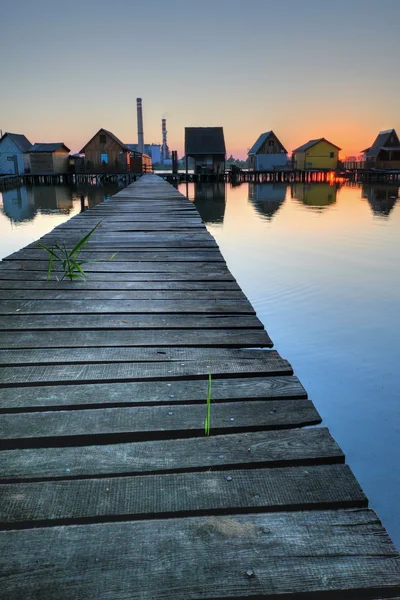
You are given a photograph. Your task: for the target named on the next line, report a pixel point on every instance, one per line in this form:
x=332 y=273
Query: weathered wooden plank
x=179 y=494
x=92 y=373
x=135 y=286
x=107 y=425
x=84 y=354
x=82 y=323
x=314 y=553
x=190 y=288
x=125 y=256
x=9 y=307
x=80 y=294
x=210 y=275
x=286 y=447
x=150 y=393
x=135 y=217
x=201 y=269
x=150 y=226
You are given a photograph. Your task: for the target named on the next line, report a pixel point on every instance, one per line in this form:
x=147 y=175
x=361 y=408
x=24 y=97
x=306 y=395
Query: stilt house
x=316 y=155
x=12 y=153
x=267 y=153
x=206 y=146
x=384 y=152
x=49 y=159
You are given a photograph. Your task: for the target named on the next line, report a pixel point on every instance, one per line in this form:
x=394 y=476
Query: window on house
x=104 y=158
x=332 y=155
x=271 y=143
x=103 y=138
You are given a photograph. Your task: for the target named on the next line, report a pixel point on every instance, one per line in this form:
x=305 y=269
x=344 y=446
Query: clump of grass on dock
x=207 y=421
x=69 y=259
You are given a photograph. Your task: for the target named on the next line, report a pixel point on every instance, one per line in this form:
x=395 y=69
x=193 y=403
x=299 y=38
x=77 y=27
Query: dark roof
x=48 y=147
x=263 y=137
x=204 y=140
x=312 y=143
x=124 y=147
x=380 y=142
x=19 y=140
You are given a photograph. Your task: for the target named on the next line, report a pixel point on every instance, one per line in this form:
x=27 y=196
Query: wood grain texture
x=134 y=286
x=9 y=307
x=154 y=392
x=124 y=255
x=128 y=371
x=154 y=421
x=269 y=448
x=74 y=501
x=84 y=355
x=79 y=294
x=340 y=552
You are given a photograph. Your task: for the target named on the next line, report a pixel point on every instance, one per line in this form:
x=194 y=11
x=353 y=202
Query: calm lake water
x=320 y=264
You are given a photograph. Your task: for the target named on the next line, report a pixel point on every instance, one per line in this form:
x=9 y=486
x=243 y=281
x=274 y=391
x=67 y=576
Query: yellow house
x=316 y=155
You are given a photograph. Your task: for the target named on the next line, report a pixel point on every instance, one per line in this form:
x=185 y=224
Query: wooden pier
x=109 y=488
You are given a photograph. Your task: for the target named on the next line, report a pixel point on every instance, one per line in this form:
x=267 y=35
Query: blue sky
x=305 y=69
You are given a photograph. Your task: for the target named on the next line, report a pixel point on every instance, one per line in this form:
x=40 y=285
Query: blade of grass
x=207 y=422
x=83 y=240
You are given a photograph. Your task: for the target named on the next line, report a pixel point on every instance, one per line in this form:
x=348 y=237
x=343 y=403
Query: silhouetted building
x=267 y=198
x=267 y=153
x=384 y=152
x=314 y=195
x=13 y=160
x=49 y=159
x=319 y=155
x=206 y=146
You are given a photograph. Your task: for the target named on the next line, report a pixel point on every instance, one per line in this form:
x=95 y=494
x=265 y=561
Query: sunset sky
x=304 y=69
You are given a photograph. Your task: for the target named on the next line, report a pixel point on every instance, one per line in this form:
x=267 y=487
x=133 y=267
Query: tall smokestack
x=164 y=151
x=140 y=125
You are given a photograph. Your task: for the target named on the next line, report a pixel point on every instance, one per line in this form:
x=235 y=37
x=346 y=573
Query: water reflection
x=267 y=198
x=316 y=196
x=19 y=205
x=210 y=200
x=381 y=198
x=23 y=204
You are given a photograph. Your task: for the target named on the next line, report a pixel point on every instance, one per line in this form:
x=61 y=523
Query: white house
x=12 y=149
x=267 y=153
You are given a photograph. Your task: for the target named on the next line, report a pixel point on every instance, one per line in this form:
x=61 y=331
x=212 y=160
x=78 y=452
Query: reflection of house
x=105 y=152
x=267 y=153
x=209 y=199
x=314 y=195
x=52 y=199
x=48 y=159
x=316 y=155
x=267 y=198
x=206 y=146
x=381 y=198
x=12 y=149
x=18 y=204
x=384 y=152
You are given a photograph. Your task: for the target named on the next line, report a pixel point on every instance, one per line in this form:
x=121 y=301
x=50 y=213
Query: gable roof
x=124 y=147
x=48 y=147
x=19 y=140
x=260 y=141
x=312 y=143
x=380 y=142
x=204 y=140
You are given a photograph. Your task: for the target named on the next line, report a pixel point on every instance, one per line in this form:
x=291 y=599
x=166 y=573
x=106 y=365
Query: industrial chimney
x=140 y=125
x=164 y=150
